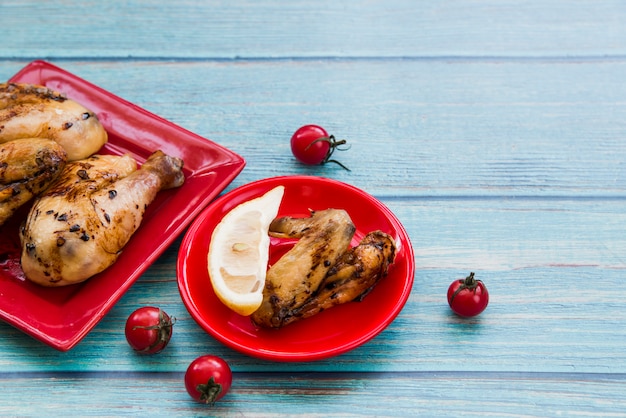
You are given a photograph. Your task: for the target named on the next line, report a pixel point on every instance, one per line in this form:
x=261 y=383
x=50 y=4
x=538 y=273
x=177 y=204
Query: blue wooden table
x=494 y=130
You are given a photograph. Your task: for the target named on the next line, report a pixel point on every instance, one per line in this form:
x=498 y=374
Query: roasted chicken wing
x=355 y=274
x=79 y=226
x=323 y=238
x=32 y=111
x=27 y=167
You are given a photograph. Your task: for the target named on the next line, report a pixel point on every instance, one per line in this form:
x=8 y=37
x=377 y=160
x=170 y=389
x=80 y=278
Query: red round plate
x=330 y=333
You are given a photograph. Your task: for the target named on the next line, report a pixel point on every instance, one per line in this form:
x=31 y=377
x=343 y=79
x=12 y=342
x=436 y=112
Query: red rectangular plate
x=61 y=317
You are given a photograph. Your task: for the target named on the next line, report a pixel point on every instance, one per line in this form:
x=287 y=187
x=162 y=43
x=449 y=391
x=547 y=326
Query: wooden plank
x=552 y=267
x=494 y=130
x=324 y=394
x=272 y=29
x=536 y=239
x=436 y=128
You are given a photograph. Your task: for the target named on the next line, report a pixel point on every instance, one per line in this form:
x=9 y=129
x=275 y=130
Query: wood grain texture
x=549 y=311
x=495 y=131
x=191 y=29
x=327 y=394
x=496 y=128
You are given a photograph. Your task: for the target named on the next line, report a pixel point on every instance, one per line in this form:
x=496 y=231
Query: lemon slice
x=239 y=252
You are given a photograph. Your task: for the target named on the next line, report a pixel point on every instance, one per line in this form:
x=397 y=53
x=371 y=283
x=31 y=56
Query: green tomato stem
x=209 y=391
x=164 y=328
x=334 y=145
x=469 y=283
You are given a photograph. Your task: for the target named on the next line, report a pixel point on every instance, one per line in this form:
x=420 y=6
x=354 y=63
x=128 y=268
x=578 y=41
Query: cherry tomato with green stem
x=312 y=145
x=468 y=297
x=148 y=330
x=208 y=379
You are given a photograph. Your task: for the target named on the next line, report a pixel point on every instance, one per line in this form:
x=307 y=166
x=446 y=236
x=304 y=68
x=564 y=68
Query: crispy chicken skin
x=32 y=111
x=323 y=238
x=81 y=224
x=27 y=167
x=355 y=274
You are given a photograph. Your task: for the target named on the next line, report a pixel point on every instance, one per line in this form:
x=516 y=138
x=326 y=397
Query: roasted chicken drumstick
x=79 y=226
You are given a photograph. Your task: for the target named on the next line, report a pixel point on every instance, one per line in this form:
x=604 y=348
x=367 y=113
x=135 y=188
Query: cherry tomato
x=312 y=145
x=208 y=379
x=468 y=297
x=148 y=330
